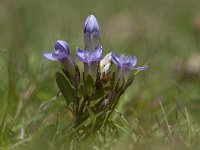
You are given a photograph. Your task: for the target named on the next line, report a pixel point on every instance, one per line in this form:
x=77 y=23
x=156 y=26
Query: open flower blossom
x=91 y=33
x=62 y=54
x=88 y=56
x=124 y=66
x=126 y=62
x=61 y=51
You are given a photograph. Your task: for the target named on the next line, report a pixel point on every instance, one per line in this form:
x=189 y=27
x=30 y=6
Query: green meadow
x=160 y=110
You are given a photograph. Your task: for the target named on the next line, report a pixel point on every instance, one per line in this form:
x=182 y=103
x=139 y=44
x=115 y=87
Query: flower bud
x=91 y=33
x=105 y=64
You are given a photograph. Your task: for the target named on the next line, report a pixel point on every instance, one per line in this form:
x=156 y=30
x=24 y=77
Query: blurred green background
x=166 y=34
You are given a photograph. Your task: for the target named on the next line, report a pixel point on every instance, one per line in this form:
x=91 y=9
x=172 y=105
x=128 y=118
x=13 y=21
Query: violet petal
x=62 y=47
x=96 y=55
x=115 y=59
x=80 y=54
x=59 y=56
x=91 y=24
x=49 y=56
x=141 y=68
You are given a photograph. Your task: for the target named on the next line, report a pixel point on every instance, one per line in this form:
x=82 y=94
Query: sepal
x=89 y=85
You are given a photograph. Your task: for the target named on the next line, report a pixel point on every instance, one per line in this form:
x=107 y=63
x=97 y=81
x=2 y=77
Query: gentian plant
x=93 y=94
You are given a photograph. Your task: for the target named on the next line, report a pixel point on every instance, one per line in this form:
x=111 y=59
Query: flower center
x=126 y=61
x=88 y=55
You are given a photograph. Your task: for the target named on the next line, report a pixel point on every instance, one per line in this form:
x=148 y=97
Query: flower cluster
x=97 y=89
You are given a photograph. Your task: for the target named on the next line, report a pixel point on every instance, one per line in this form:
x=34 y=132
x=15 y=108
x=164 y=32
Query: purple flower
x=88 y=56
x=91 y=33
x=62 y=54
x=124 y=66
x=61 y=51
x=91 y=24
x=126 y=62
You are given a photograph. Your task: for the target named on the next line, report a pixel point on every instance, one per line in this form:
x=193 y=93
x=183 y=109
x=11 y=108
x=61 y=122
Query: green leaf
x=131 y=76
x=80 y=92
x=91 y=113
x=129 y=82
x=65 y=88
x=98 y=94
x=49 y=132
x=73 y=78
